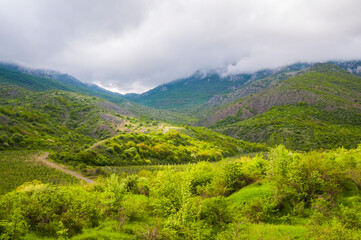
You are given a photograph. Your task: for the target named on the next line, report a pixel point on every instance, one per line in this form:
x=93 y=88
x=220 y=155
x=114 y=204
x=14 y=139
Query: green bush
x=50 y=210
x=167 y=192
x=259 y=209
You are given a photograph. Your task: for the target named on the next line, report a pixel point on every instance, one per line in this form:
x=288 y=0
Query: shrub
x=50 y=210
x=17 y=138
x=259 y=209
x=166 y=192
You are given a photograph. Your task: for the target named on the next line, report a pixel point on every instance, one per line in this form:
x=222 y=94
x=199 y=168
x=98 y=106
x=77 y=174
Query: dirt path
x=44 y=160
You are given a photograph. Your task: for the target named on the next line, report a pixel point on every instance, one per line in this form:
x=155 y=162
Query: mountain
x=204 y=88
x=10 y=75
x=251 y=87
x=353 y=67
x=44 y=80
x=318 y=108
x=207 y=90
x=185 y=94
x=300 y=105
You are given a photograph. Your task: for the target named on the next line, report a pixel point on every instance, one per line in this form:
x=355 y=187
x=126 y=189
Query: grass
x=270 y=231
x=18 y=167
x=298 y=230
x=250 y=192
x=106 y=233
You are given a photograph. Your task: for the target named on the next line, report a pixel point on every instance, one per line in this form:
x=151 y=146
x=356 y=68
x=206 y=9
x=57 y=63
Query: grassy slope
x=320 y=108
x=150 y=113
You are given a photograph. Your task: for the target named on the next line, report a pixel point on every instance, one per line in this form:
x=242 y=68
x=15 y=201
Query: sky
x=133 y=46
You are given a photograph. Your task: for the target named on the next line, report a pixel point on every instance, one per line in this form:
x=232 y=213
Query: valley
x=273 y=154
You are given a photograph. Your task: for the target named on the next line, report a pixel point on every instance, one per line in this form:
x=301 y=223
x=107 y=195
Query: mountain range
x=210 y=156
x=304 y=106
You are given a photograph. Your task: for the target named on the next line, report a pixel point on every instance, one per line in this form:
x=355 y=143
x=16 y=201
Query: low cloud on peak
x=132 y=46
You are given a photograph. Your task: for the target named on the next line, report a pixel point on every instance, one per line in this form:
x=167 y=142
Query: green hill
x=82 y=129
x=161 y=145
x=54 y=118
x=319 y=108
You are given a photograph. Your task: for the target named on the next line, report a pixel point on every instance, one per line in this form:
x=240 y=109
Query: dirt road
x=44 y=160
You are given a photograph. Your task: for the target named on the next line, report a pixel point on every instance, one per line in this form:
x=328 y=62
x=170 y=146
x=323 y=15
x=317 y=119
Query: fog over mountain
x=132 y=46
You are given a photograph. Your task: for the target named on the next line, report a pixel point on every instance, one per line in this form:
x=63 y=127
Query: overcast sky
x=135 y=45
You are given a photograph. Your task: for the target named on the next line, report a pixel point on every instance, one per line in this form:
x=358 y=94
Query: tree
x=17 y=138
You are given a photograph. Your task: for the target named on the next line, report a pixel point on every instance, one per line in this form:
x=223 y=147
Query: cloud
x=132 y=46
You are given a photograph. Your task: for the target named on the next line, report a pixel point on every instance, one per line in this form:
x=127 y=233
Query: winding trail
x=44 y=160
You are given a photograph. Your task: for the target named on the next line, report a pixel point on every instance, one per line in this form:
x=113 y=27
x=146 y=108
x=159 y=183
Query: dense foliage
x=177 y=145
x=314 y=195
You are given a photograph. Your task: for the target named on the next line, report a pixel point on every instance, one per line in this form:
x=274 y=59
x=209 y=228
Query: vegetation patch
x=18 y=167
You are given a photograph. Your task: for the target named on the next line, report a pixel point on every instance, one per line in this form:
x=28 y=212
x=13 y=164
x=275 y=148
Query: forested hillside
x=317 y=109
x=205 y=91
x=207 y=87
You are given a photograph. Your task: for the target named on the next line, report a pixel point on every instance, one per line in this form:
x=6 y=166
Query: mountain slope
x=204 y=89
x=10 y=76
x=185 y=94
x=330 y=97
x=43 y=80
x=251 y=87
x=353 y=67
x=54 y=118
